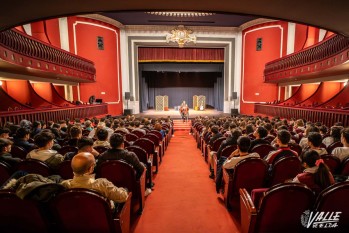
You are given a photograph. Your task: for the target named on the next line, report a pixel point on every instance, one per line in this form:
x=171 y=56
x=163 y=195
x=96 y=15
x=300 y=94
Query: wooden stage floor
x=174 y=114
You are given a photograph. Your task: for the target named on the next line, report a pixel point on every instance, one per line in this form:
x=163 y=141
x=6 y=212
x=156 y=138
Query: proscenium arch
x=330 y=15
x=230 y=62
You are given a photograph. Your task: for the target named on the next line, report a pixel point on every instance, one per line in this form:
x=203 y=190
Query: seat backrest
x=249 y=173
x=120 y=173
x=153 y=138
x=262 y=149
x=282 y=154
x=284 y=169
x=332 y=162
x=157 y=133
x=130 y=137
x=82 y=210
x=345 y=167
x=295 y=147
x=138 y=133
x=145 y=144
x=100 y=149
x=141 y=153
x=334 y=145
x=333 y=199
x=290 y=199
x=66 y=149
x=65 y=170
x=34 y=166
x=120 y=132
x=19 y=215
x=18 y=152
x=5 y=172
x=228 y=150
x=217 y=143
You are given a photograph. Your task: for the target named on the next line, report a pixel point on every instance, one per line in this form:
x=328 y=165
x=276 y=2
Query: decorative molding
x=255 y=22
x=103 y=19
x=166 y=28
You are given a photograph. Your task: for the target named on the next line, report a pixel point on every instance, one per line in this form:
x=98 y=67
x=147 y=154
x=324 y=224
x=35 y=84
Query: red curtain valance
x=180 y=55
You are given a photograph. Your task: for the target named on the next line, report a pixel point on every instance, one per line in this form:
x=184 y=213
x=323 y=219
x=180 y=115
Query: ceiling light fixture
x=180 y=13
x=181 y=36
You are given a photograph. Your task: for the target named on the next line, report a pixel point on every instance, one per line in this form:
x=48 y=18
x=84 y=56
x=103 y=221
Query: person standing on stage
x=184 y=110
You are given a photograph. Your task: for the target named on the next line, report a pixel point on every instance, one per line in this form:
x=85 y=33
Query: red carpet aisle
x=184 y=199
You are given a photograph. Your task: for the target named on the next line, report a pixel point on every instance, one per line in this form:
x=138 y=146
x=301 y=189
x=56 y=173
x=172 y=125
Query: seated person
x=314 y=143
x=83 y=165
x=282 y=139
x=36 y=128
x=102 y=137
x=88 y=125
x=5 y=155
x=335 y=135
x=240 y=153
x=117 y=152
x=304 y=141
x=158 y=127
x=44 y=153
x=75 y=134
x=215 y=135
x=122 y=127
x=5 y=133
x=260 y=133
x=84 y=145
x=21 y=139
x=316 y=174
x=343 y=152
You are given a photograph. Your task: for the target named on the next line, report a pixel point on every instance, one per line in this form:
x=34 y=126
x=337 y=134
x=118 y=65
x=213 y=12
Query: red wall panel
x=300 y=37
x=52 y=30
x=18 y=90
x=107 y=61
x=253 y=87
x=44 y=90
x=60 y=90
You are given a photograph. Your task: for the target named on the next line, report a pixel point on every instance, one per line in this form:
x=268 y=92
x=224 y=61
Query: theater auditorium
x=174 y=116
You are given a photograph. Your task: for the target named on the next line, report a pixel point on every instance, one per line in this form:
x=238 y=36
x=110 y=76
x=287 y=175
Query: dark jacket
x=27 y=146
x=227 y=142
x=120 y=154
x=7 y=157
x=214 y=137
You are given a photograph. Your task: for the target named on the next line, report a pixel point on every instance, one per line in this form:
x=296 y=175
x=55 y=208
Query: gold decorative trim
x=103 y=19
x=255 y=22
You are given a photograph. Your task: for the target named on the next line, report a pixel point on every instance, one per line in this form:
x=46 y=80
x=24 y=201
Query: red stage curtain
x=180 y=55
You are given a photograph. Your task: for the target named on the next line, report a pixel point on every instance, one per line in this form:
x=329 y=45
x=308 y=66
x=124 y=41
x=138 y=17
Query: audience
x=282 y=139
x=343 y=152
x=5 y=152
x=335 y=136
x=260 y=133
x=44 y=141
x=75 y=135
x=4 y=133
x=316 y=174
x=84 y=145
x=314 y=143
x=83 y=165
x=102 y=138
x=22 y=139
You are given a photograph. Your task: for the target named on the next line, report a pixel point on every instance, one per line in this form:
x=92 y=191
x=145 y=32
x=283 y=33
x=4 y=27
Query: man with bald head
x=83 y=165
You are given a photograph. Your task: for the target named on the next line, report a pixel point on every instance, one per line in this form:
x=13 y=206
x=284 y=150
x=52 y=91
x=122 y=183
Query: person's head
x=87 y=123
x=137 y=124
x=311 y=129
x=5 y=145
x=85 y=144
x=299 y=123
x=83 y=163
x=321 y=177
x=25 y=124
x=249 y=129
x=244 y=144
x=5 y=133
x=157 y=127
x=116 y=140
x=268 y=127
x=314 y=140
x=214 y=129
x=36 y=125
x=23 y=133
x=235 y=134
x=260 y=132
x=102 y=134
x=75 y=132
x=345 y=137
x=44 y=140
x=283 y=137
x=323 y=130
x=336 y=132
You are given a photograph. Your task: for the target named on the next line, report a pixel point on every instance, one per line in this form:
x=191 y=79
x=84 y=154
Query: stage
x=175 y=113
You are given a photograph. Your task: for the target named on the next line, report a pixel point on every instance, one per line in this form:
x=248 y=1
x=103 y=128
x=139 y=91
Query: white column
x=28 y=29
x=291 y=31
x=322 y=34
x=63 y=33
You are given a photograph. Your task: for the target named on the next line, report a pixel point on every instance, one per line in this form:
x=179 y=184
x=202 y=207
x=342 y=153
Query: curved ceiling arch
x=325 y=14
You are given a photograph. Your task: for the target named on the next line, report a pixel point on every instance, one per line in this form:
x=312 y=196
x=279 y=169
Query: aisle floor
x=184 y=199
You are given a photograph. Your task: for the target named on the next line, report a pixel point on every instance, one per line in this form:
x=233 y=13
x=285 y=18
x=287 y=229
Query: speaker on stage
x=128 y=112
x=127 y=95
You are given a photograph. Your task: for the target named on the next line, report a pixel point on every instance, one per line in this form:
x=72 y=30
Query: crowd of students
x=312 y=140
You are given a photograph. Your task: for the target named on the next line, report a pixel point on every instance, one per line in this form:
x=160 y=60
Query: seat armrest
x=123 y=215
x=248 y=212
x=257 y=195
